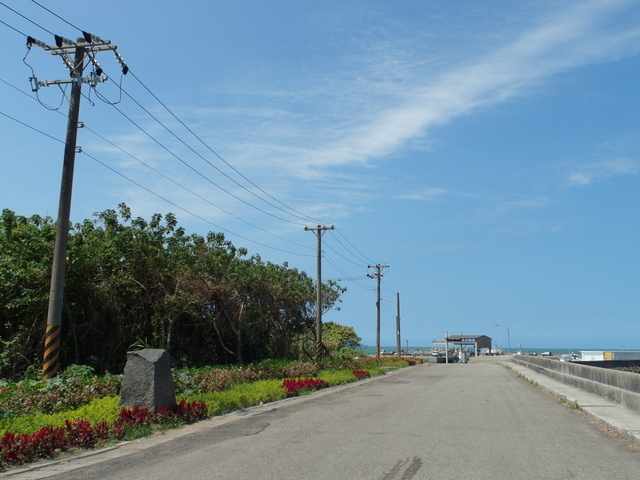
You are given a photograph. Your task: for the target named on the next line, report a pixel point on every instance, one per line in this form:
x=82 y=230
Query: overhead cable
x=159 y=173
x=298 y=214
x=126 y=69
x=156 y=194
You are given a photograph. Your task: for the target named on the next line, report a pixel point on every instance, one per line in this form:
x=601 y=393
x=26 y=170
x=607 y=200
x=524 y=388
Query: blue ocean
x=556 y=351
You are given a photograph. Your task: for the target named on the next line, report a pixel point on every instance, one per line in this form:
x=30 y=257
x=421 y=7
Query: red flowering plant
x=360 y=374
x=296 y=386
x=48 y=441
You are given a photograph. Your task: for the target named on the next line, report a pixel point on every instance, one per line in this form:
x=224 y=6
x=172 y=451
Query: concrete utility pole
x=65 y=48
x=319 y=231
x=398 y=342
x=378 y=275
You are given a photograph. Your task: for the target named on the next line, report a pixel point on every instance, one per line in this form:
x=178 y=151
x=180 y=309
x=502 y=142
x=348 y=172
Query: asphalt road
x=476 y=421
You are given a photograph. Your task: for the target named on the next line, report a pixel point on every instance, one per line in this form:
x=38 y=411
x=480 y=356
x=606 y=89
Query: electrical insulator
x=35 y=86
x=122 y=63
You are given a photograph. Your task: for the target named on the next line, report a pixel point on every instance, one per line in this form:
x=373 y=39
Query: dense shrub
x=75 y=387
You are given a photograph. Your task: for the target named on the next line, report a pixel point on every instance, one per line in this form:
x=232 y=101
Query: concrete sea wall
x=617 y=386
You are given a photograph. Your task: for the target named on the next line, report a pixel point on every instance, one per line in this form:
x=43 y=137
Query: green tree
x=132 y=281
x=26 y=253
x=336 y=337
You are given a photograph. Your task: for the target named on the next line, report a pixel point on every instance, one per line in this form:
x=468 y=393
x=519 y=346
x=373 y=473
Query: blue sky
x=486 y=150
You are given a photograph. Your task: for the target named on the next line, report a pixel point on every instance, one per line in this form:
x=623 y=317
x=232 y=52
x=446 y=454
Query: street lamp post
x=508 y=336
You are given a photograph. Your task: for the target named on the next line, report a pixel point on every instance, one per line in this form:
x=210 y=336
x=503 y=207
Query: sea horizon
x=369 y=350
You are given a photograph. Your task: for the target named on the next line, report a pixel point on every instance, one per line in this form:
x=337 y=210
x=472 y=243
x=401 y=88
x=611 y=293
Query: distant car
x=566 y=358
x=547 y=354
x=533 y=354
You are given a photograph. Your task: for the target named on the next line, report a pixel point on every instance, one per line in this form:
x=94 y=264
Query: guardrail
x=614 y=385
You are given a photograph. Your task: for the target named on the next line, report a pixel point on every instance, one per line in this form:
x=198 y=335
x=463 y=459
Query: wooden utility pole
x=378 y=275
x=319 y=231
x=65 y=48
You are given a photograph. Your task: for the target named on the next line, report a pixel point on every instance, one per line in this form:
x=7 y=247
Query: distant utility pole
x=398 y=342
x=319 y=231
x=64 y=48
x=378 y=275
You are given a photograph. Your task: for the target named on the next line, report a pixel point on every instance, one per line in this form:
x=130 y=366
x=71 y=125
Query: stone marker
x=147 y=380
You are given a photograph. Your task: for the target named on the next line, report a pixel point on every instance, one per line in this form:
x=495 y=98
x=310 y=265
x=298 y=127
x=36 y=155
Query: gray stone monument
x=147 y=380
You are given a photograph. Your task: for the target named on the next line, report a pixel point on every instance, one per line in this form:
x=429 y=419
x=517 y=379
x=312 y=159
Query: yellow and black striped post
x=51 y=349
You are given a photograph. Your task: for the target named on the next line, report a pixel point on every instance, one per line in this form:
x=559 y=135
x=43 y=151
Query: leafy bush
x=75 y=387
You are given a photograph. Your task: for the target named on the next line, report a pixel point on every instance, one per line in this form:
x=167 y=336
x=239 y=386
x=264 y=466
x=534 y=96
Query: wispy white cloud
x=573 y=37
x=428 y=194
x=588 y=174
x=342 y=120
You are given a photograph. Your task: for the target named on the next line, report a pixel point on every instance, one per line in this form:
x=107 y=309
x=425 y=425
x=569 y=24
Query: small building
x=595 y=356
x=592 y=356
x=477 y=341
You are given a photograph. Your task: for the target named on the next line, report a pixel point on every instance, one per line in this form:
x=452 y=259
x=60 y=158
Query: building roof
x=482 y=341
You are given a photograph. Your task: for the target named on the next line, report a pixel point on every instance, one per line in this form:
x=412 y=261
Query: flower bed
x=39 y=419
x=49 y=441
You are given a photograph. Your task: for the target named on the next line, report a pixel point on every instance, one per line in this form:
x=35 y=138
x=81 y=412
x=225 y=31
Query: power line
x=198 y=172
x=152 y=169
x=13 y=28
x=190 y=212
x=345 y=276
x=28 y=20
x=209 y=163
x=367 y=259
x=345 y=258
x=31 y=127
x=363 y=265
x=299 y=214
x=56 y=15
x=154 y=193
x=295 y=213
x=192 y=192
